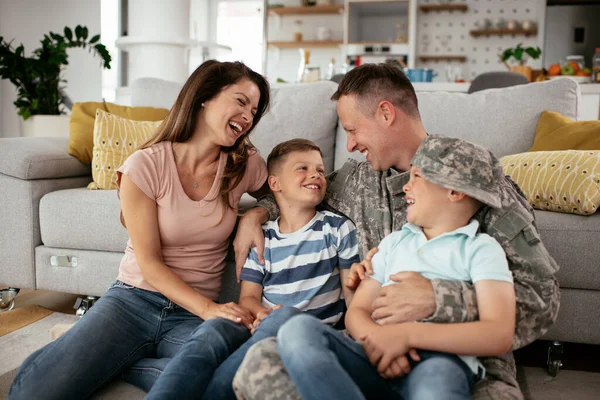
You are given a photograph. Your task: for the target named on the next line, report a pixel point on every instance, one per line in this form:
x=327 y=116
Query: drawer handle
x=63 y=261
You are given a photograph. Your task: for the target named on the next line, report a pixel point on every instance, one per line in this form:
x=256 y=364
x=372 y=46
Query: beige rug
x=24 y=330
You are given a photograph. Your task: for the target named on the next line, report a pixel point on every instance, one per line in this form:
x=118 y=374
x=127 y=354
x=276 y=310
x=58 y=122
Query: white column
x=158 y=39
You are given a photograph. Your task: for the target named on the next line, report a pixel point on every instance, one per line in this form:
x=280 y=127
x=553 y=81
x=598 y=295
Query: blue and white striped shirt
x=302 y=268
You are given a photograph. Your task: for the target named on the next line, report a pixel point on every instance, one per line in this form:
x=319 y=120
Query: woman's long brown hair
x=205 y=83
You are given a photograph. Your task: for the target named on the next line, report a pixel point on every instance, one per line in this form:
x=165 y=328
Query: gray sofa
x=47 y=211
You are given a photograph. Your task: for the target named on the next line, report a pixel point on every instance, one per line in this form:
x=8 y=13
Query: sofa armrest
x=31 y=158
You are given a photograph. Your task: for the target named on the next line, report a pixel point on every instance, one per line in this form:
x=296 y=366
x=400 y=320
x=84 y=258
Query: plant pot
x=46 y=125
x=524 y=70
x=297 y=36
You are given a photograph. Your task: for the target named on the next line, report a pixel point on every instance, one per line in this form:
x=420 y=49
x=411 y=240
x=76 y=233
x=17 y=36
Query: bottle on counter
x=330 y=69
x=596 y=66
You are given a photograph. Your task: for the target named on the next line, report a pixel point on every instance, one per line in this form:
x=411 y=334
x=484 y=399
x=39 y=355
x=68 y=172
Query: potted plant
x=520 y=55
x=38 y=78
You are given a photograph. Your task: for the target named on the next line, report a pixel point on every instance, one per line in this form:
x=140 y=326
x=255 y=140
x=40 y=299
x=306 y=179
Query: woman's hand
x=230 y=311
x=359 y=270
x=262 y=315
x=249 y=234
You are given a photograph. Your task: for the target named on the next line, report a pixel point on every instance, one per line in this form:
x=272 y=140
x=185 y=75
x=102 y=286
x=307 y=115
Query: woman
x=179 y=195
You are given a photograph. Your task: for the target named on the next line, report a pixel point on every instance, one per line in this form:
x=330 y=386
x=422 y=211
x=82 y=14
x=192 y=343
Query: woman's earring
x=202 y=105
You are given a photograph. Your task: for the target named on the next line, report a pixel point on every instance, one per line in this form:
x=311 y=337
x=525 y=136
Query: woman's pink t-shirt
x=193 y=241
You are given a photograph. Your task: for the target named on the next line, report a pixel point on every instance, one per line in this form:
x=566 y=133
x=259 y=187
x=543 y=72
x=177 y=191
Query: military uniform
x=375 y=202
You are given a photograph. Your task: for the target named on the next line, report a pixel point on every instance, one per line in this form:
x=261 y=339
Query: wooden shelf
x=501 y=32
x=443 y=7
x=305 y=43
x=337 y=9
x=443 y=58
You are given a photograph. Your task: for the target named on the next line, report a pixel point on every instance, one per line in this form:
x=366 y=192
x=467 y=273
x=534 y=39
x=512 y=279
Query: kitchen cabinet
x=381 y=22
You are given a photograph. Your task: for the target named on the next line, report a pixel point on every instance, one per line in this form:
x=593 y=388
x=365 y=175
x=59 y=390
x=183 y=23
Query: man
x=378 y=108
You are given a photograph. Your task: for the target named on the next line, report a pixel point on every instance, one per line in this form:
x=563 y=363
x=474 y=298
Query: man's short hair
x=280 y=151
x=373 y=83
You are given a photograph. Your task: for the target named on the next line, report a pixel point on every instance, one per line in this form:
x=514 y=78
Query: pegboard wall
x=447 y=33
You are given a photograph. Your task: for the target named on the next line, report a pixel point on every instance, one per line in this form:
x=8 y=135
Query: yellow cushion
x=115 y=138
x=555 y=132
x=564 y=181
x=81 y=138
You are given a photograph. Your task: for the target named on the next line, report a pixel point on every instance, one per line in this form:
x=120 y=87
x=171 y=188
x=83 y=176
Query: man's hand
x=262 y=315
x=359 y=271
x=384 y=347
x=411 y=299
x=249 y=234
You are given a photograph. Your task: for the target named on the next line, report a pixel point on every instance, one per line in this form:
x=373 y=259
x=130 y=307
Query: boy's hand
x=262 y=315
x=249 y=234
x=384 y=345
x=359 y=270
x=400 y=366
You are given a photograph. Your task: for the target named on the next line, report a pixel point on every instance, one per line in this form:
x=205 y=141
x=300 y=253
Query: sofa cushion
x=115 y=139
x=299 y=111
x=573 y=242
x=83 y=115
x=555 y=132
x=82 y=219
x=502 y=120
x=562 y=181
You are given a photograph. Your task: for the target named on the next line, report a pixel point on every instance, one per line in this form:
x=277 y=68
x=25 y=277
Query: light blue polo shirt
x=462 y=254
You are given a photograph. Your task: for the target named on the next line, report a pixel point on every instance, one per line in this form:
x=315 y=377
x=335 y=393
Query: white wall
x=560 y=26
x=26 y=21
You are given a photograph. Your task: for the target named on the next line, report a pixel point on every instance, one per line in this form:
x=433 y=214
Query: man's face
x=300 y=179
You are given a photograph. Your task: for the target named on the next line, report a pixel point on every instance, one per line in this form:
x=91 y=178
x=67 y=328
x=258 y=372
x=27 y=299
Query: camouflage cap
x=459 y=165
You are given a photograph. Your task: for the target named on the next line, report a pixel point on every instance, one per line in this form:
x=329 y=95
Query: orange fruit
x=554 y=70
x=575 y=65
x=581 y=73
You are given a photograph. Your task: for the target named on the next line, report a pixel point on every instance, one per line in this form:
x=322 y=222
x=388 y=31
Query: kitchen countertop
x=586 y=88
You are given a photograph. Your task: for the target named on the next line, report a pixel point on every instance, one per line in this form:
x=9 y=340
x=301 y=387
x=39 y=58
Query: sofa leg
x=555 y=353
x=7 y=298
x=83 y=304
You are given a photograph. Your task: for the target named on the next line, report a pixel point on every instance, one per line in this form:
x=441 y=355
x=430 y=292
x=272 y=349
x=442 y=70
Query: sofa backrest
x=502 y=120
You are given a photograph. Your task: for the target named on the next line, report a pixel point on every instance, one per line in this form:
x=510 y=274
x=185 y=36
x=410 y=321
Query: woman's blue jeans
x=327 y=364
x=124 y=326
x=209 y=359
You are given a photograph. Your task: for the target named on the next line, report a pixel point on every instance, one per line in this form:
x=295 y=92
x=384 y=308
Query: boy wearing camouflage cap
x=450 y=179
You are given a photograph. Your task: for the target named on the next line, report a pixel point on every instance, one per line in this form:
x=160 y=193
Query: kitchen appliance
x=420 y=74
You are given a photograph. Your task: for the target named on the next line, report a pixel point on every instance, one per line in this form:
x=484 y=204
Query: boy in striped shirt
x=308 y=254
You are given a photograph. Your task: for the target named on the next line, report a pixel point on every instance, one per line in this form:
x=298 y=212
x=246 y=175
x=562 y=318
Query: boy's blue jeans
x=326 y=364
x=209 y=359
x=124 y=326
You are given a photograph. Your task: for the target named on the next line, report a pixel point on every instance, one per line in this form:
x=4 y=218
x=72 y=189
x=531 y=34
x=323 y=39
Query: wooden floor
x=60 y=302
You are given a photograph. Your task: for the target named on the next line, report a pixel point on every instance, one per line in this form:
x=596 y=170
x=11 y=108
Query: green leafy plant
x=521 y=54
x=38 y=78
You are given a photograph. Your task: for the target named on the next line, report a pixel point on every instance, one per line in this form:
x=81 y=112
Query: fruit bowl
x=578 y=79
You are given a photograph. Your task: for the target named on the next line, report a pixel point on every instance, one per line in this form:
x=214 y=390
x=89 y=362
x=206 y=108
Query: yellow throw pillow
x=564 y=181
x=81 y=137
x=555 y=132
x=115 y=139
